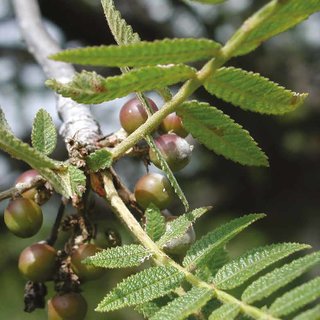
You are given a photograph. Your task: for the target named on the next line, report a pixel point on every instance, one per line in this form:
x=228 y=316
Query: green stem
x=160 y=258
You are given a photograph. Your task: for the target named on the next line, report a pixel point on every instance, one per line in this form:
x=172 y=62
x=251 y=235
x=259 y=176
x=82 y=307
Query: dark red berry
x=172 y=123
x=68 y=306
x=38 y=262
x=23 y=217
x=85 y=271
x=175 y=150
x=153 y=188
x=27 y=177
x=133 y=114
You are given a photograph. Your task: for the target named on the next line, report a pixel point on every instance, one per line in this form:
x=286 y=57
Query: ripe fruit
x=69 y=306
x=175 y=150
x=27 y=177
x=173 y=123
x=37 y=262
x=133 y=114
x=153 y=188
x=23 y=217
x=82 y=270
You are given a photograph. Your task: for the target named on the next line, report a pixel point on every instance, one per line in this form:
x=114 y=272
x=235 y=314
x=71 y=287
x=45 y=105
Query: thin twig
x=22 y=187
x=78 y=122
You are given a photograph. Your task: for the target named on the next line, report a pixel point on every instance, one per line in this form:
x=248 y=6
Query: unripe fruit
x=27 y=177
x=37 y=262
x=23 y=217
x=133 y=114
x=175 y=150
x=153 y=188
x=69 y=306
x=173 y=123
x=85 y=271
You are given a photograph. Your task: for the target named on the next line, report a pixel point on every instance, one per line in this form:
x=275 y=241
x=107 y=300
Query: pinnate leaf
x=142 y=53
x=44 y=134
x=274 y=18
x=219 y=133
x=311 y=314
x=142 y=287
x=201 y=250
x=99 y=160
x=178 y=227
x=252 y=92
x=225 y=312
x=185 y=305
x=119 y=257
x=278 y=278
x=155 y=222
x=236 y=272
x=3 y=122
x=296 y=298
x=89 y=87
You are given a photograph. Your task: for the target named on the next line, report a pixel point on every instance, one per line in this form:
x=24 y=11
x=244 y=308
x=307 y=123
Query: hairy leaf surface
x=99 y=159
x=142 y=287
x=311 y=314
x=119 y=257
x=89 y=87
x=219 y=133
x=276 y=17
x=225 y=312
x=142 y=53
x=44 y=134
x=3 y=122
x=278 y=278
x=208 y=244
x=243 y=268
x=178 y=227
x=296 y=298
x=250 y=91
x=155 y=223
x=185 y=305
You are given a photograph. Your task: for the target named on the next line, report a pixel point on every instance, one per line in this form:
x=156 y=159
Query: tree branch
x=78 y=122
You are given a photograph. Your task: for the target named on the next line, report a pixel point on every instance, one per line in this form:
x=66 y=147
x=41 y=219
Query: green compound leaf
x=89 y=87
x=219 y=133
x=150 y=308
x=119 y=257
x=225 y=312
x=202 y=249
x=274 y=18
x=296 y=298
x=178 y=227
x=155 y=223
x=99 y=160
x=121 y=31
x=142 y=53
x=165 y=167
x=142 y=287
x=3 y=122
x=185 y=305
x=252 y=92
x=243 y=268
x=311 y=314
x=278 y=278
x=44 y=134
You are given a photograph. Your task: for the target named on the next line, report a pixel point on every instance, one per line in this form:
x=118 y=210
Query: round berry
x=85 y=271
x=27 y=177
x=133 y=114
x=175 y=150
x=23 y=217
x=153 y=188
x=38 y=262
x=173 y=123
x=68 y=306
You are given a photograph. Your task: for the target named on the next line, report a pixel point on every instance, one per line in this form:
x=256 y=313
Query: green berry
x=23 y=217
x=68 y=306
x=85 y=271
x=153 y=188
x=38 y=262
